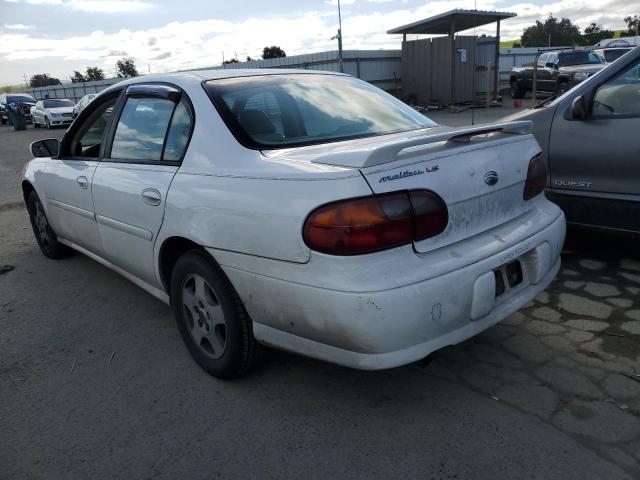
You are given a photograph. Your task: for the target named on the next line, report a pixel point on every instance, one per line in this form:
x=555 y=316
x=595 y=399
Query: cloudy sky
x=59 y=36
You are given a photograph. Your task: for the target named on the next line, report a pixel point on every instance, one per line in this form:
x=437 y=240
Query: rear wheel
x=211 y=318
x=517 y=92
x=45 y=236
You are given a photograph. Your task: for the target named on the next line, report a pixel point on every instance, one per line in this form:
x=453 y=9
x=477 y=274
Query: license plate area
x=507 y=277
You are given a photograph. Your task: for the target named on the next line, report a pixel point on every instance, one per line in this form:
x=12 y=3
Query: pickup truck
x=557 y=72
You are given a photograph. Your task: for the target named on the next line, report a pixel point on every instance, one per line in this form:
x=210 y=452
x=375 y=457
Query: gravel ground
x=95 y=382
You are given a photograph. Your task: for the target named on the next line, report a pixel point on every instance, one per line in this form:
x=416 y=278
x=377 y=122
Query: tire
x=563 y=87
x=45 y=236
x=517 y=91
x=211 y=319
x=47 y=123
x=3 y=121
x=35 y=124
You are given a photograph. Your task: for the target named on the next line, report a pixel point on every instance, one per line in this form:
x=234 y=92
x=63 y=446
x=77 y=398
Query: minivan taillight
x=536 y=177
x=369 y=224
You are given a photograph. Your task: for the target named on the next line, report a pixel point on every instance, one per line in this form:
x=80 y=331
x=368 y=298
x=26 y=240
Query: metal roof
x=463 y=20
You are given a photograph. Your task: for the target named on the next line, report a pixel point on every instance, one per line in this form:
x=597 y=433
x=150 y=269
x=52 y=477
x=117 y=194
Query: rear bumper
x=398 y=307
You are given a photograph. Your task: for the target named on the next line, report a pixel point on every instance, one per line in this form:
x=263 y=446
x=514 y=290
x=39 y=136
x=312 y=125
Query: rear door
x=595 y=166
x=130 y=185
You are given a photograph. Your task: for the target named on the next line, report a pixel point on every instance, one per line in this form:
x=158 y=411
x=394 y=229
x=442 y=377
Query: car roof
x=198 y=76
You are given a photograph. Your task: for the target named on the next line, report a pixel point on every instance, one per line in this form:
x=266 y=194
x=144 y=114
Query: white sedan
x=53 y=112
x=310 y=212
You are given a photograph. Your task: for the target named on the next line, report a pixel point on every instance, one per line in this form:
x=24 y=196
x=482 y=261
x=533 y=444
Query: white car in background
x=52 y=112
x=82 y=104
x=310 y=212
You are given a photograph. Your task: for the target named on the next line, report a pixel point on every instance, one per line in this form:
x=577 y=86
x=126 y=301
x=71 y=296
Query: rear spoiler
x=388 y=152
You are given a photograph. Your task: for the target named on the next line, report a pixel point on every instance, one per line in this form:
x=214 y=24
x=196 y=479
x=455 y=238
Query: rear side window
x=144 y=126
x=278 y=111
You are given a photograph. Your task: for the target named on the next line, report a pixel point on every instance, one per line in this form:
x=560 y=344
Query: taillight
x=536 y=177
x=369 y=224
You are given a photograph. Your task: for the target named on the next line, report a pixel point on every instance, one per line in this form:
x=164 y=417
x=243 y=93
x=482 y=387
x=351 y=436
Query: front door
x=68 y=179
x=131 y=183
x=595 y=166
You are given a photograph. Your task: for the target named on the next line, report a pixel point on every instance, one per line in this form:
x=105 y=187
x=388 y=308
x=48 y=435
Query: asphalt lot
x=95 y=381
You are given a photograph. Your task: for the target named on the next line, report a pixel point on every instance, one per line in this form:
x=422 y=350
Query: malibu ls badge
x=408 y=173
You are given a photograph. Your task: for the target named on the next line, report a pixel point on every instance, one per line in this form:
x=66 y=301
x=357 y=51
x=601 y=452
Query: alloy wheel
x=42 y=224
x=204 y=316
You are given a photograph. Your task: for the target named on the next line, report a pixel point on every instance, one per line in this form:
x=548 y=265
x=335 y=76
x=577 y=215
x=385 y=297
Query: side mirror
x=552 y=65
x=579 y=108
x=45 y=148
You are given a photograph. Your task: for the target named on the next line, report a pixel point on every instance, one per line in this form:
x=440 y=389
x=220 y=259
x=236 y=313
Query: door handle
x=151 y=196
x=83 y=183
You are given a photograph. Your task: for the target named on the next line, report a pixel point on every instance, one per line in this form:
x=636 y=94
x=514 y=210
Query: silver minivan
x=591 y=138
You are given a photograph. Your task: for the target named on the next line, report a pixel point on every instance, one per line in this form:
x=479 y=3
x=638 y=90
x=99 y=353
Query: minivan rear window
x=287 y=110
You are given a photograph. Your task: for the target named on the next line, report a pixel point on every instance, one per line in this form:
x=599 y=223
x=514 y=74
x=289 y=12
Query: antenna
x=475 y=60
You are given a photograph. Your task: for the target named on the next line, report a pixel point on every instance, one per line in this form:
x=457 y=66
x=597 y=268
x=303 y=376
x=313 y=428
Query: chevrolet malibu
x=310 y=212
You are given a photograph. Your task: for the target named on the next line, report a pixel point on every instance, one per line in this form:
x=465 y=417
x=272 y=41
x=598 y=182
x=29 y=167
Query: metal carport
x=449 y=23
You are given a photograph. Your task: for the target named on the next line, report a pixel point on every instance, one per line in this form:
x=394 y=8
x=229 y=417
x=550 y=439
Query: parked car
x=556 y=72
x=589 y=136
x=609 y=55
x=52 y=112
x=24 y=100
x=306 y=211
x=84 y=101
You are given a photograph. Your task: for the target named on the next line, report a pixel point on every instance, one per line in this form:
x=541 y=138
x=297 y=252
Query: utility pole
x=26 y=84
x=340 y=63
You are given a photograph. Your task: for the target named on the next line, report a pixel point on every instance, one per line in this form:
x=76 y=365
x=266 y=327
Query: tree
x=273 y=52
x=249 y=59
x=94 y=73
x=595 y=32
x=516 y=44
x=552 y=33
x=633 y=24
x=232 y=60
x=43 y=80
x=77 y=77
x=126 y=68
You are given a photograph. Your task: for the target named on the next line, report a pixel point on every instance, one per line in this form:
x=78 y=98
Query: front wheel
x=211 y=318
x=45 y=236
x=35 y=124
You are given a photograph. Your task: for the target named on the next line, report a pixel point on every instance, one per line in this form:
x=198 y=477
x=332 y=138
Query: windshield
x=614 y=54
x=58 y=103
x=20 y=98
x=276 y=111
x=578 y=58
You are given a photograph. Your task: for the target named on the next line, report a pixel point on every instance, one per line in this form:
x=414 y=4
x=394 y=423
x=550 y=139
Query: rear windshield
x=58 y=103
x=277 y=111
x=578 y=58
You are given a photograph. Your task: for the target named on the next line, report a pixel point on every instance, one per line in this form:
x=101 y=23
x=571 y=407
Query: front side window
x=89 y=138
x=142 y=128
x=619 y=96
x=276 y=111
x=614 y=54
